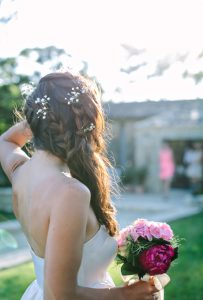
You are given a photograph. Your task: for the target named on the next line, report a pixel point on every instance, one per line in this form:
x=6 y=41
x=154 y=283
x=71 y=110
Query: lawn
x=14 y=281
x=186 y=275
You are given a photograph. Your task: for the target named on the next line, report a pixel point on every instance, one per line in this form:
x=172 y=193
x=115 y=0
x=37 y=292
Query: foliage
x=133 y=175
x=43 y=54
x=7 y=12
x=4 y=216
x=4 y=181
x=10 y=98
x=197 y=77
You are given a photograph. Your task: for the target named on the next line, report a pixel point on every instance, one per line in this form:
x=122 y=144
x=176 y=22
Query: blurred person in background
x=167 y=168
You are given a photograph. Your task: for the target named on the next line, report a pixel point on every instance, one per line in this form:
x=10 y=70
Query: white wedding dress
x=97 y=255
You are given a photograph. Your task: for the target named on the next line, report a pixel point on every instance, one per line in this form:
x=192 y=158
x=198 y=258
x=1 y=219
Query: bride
x=61 y=195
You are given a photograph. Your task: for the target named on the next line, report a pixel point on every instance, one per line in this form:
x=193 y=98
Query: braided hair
x=64 y=132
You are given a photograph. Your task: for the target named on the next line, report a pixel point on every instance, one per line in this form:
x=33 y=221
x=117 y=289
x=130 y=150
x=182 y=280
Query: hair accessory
x=43 y=102
x=27 y=89
x=90 y=127
x=73 y=95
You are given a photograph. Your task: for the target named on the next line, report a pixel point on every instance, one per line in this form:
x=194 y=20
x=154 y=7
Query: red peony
x=157 y=259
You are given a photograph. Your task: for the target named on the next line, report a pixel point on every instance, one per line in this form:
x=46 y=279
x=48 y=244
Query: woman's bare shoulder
x=72 y=185
x=68 y=191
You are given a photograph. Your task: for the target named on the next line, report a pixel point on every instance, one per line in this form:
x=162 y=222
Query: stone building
x=140 y=127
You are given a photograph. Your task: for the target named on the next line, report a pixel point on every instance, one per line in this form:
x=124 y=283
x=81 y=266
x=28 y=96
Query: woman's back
x=35 y=187
x=32 y=186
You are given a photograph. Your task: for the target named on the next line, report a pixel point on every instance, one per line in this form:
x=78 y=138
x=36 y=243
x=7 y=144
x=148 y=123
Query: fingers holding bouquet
x=140 y=290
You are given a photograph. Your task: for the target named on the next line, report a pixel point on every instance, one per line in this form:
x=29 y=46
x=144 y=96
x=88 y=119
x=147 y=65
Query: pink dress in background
x=167 y=166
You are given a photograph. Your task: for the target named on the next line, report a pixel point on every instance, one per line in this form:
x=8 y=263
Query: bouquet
x=146 y=248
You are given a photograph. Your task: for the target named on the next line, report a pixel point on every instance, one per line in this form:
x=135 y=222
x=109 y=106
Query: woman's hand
x=26 y=130
x=140 y=290
x=19 y=134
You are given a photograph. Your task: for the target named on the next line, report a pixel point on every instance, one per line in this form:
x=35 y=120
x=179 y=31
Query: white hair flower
x=73 y=95
x=43 y=103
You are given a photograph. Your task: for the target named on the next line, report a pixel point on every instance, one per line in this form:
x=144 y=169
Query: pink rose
x=120 y=242
x=166 y=232
x=155 y=230
x=123 y=234
x=141 y=226
x=157 y=259
x=134 y=234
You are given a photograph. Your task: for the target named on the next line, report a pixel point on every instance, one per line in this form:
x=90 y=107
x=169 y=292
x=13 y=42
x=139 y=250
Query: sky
x=164 y=32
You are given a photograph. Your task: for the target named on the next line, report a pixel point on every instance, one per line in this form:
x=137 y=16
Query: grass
x=14 y=281
x=186 y=275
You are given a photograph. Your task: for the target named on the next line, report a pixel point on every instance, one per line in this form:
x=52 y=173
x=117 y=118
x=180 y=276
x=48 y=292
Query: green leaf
x=127 y=270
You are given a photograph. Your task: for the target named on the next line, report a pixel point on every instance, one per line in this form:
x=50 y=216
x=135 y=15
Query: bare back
x=35 y=187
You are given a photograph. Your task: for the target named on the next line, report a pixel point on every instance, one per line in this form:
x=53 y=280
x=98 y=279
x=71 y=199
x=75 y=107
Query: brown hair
x=62 y=134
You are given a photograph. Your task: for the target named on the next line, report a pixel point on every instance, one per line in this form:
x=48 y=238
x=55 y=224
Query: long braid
x=94 y=174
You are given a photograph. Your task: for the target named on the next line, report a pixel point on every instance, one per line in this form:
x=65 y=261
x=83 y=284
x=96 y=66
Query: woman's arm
x=65 y=239
x=11 y=142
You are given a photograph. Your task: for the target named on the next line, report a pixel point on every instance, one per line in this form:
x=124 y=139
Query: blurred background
x=147 y=57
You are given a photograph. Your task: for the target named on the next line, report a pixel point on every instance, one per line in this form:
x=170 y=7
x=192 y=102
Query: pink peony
x=157 y=259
